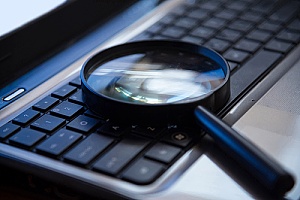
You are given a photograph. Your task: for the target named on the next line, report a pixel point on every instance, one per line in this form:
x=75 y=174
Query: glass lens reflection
x=156 y=77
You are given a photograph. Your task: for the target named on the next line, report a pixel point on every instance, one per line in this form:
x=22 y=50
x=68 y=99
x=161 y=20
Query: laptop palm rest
x=273 y=123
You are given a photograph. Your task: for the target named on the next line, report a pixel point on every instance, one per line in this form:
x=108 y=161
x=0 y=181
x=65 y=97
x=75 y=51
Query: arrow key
x=112 y=129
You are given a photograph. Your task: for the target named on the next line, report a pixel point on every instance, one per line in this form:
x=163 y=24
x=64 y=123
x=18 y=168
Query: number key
x=83 y=124
x=47 y=123
x=66 y=110
x=26 y=117
x=45 y=104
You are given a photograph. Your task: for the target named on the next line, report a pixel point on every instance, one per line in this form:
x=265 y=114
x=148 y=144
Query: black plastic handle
x=266 y=170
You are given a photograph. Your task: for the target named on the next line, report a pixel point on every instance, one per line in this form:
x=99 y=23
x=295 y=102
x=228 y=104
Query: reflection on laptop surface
x=44 y=131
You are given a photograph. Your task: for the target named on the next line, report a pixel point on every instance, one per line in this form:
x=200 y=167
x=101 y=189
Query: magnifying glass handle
x=266 y=170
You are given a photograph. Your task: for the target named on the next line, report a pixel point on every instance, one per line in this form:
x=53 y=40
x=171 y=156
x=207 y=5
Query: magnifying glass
x=157 y=82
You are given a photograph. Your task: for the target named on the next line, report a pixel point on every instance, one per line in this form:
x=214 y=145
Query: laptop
x=105 y=160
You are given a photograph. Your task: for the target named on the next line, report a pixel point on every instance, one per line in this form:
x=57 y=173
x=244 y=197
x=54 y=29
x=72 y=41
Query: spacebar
x=251 y=71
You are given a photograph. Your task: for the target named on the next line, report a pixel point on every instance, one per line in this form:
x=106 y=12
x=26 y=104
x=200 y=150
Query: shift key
x=114 y=160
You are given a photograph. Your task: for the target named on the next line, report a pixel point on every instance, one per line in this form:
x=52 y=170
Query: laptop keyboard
x=60 y=126
x=252 y=36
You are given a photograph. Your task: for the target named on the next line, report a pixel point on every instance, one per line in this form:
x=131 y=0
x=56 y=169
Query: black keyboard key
x=186 y=22
x=270 y=26
x=47 y=123
x=285 y=12
x=263 y=6
x=218 y=45
x=236 y=56
x=252 y=16
x=203 y=32
x=199 y=14
x=295 y=25
x=279 y=46
x=178 y=137
x=173 y=32
x=238 y=5
x=241 y=25
x=168 y=19
x=215 y=23
x=289 y=36
x=45 y=104
x=64 y=91
x=259 y=35
x=179 y=10
x=112 y=129
x=77 y=98
x=247 y=45
x=210 y=5
x=8 y=129
x=226 y=14
x=143 y=171
x=192 y=39
x=163 y=152
x=88 y=149
x=230 y=35
x=26 y=138
x=76 y=82
x=252 y=70
x=83 y=124
x=148 y=131
x=121 y=154
x=58 y=142
x=66 y=110
x=26 y=117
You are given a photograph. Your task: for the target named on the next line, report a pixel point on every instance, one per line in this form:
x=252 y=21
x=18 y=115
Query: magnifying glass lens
x=156 y=77
x=154 y=81
x=158 y=82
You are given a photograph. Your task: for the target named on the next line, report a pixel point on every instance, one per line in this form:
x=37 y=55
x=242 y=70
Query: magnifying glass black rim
x=130 y=111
